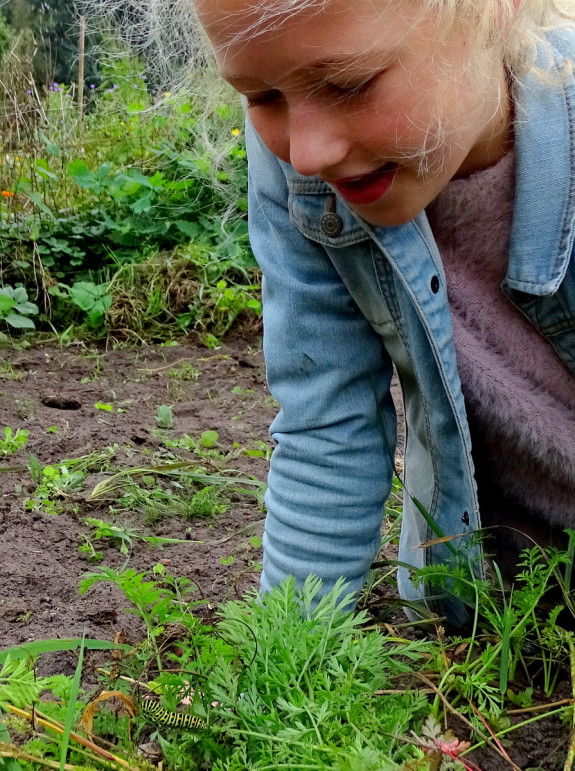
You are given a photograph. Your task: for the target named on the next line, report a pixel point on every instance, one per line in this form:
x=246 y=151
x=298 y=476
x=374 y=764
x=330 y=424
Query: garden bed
x=94 y=413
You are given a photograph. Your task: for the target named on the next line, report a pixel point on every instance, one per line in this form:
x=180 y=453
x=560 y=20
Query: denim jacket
x=344 y=302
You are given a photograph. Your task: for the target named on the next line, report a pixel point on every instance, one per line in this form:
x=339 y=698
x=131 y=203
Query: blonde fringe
x=169 y=34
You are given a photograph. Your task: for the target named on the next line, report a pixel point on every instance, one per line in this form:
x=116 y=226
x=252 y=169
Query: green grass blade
x=51 y=646
x=505 y=634
x=432 y=523
x=569 y=564
x=71 y=711
x=180 y=468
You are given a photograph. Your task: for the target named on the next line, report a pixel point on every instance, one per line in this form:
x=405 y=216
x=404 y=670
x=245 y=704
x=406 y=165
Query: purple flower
x=92 y=85
x=28 y=91
x=143 y=77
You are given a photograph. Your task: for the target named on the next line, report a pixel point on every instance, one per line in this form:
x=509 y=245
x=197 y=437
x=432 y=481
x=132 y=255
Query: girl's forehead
x=228 y=21
x=242 y=30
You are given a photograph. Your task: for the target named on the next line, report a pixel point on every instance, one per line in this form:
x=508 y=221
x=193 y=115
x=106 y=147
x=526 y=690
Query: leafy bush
x=144 y=180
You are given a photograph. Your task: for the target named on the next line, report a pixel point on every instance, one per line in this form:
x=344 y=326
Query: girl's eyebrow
x=343 y=60
x=337 y=63
x=380 y=58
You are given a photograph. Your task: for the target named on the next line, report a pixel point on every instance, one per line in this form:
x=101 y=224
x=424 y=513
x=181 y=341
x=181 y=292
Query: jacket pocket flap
x=319 y=214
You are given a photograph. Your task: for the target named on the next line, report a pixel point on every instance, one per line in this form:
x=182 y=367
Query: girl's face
x=379 y=104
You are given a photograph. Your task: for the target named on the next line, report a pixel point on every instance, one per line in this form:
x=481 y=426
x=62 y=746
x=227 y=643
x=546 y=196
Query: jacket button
x=434 y=284
x=331 y=224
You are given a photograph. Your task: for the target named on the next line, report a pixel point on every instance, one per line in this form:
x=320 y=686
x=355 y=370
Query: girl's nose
x=317 y=139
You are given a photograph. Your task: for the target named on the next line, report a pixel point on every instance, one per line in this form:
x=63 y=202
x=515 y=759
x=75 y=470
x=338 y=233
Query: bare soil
x=53 y=398
x=52 y=391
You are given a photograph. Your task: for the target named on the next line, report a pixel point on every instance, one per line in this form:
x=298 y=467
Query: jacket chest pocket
x=319 y=215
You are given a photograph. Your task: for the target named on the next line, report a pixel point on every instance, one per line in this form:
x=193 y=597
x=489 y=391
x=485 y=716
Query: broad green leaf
x=27 y=308
x=209 y=438
x=165 y=416
x=104 y=407
x=19 y=322
x=89 y=296
x=51 y=148
x=190 y=229
x=143 y=203
x=103 y=170
x=46 y=173
x=6 y=303
x=20 y=294
x=81 y=174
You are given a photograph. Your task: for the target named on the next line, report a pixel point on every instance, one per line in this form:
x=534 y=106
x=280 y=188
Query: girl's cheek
x=408 y=122
x=273 y=130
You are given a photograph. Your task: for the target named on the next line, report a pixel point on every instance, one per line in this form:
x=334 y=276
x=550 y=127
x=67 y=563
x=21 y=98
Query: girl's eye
x=348 y=92
x=260 y=100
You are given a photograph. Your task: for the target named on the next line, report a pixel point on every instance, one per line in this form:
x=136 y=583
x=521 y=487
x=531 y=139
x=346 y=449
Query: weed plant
x=13 y=440
x=58 y=482
x=517 y=642
x=286 y=682
x=181 y=499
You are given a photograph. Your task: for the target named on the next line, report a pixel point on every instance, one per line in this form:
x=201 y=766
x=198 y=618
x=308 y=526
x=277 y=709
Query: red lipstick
x=367 y=188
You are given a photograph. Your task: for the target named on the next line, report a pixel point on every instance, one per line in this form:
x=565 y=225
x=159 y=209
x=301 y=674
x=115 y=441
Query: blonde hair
x=516 y=30
x=170 y=35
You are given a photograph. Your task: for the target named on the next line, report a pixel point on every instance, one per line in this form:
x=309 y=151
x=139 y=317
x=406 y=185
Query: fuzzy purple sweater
x=519 y=396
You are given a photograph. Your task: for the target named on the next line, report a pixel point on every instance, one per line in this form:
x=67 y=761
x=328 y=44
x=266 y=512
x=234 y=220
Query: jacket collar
x=542 y=232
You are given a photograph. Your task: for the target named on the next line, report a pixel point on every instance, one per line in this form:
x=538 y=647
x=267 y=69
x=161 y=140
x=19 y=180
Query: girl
x=412 y=204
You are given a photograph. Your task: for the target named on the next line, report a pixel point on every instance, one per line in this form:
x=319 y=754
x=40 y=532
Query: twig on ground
x=57 y=727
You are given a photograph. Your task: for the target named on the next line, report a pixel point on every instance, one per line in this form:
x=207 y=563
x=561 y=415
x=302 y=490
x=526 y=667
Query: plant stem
x=58 y=728
x=9 y=751
x=474 y=729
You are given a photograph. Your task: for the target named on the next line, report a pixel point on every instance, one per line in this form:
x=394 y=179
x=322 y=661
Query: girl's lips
x=367 y=188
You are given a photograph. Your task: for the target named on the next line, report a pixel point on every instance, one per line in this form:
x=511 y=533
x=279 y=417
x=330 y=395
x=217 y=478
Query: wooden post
x=81 y=48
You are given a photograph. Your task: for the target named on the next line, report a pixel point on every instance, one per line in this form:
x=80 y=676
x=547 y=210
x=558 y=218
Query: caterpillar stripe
x=157 y=714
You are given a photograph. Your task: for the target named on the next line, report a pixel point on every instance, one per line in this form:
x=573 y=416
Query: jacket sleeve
x=335 y=433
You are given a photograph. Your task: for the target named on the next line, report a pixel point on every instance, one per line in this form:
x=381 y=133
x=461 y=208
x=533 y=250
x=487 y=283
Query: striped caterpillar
x=157 y=714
